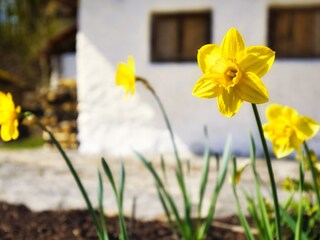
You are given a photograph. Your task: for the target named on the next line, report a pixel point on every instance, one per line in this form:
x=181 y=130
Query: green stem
x=313 y=173
x=178 y=160
x=77 y=179
x=298 y=230
x=166 y=119
x=270 y=171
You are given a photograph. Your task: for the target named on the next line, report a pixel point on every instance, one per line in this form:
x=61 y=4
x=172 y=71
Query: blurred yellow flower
x=125 y=76
x=8 y=117
x=287 y=130
x=242 y=166
x=232 y=73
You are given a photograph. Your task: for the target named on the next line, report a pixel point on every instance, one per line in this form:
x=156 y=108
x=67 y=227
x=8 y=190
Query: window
x=176 y=37
x=295 y=32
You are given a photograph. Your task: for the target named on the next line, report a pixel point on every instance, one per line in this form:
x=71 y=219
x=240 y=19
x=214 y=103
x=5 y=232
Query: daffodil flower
x=8 y=117
x=232 y=72
x=125 y=76
x=287 y=130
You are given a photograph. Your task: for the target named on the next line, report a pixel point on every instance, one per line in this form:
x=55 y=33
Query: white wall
x=110 y=30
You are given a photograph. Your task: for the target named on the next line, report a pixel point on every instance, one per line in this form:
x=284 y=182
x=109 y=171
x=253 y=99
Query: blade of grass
x=187 y=205
x=298 y=229
x=169 y=199
x=261 y=204
x=164 y=169
x=121 y=183
x=219 y=183
x=286 y=218
x=314 y=176
x=123 y=229
x=204 y=173
x=255 y=214
x=101 y=209
x=110 y=176
x=241 y=216
x=78 y=181
x=167 y=211
x=118 y=196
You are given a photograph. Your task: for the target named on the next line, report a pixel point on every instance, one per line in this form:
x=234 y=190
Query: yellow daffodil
x=125 y=76
x=8 y=117
x=232 y=72
x=287 y=130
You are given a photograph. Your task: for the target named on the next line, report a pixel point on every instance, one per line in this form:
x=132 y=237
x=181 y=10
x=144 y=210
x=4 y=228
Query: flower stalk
x=313 y=173
x=270 y=172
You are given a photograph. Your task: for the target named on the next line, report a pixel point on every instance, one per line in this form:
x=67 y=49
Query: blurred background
x=58 y=58
x=33 y=33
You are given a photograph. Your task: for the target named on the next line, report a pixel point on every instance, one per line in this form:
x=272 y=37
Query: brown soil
x=19 y=223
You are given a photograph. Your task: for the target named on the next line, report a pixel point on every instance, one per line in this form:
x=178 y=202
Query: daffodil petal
x=233 y=46
x=131 y=64
x=258 y=60
x=206 y=87
x=307 y=127
x=4 y=115
x=15 y=133
x=282 y=150
x=273 y=112
x=289 y=113
x=251 y=89
x=266 y=130
x=7 y=131
x=207 y=56
x=229 y=103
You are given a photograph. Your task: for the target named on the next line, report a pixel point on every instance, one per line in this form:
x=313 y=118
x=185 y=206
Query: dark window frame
x=291 y=12
x=179 y=17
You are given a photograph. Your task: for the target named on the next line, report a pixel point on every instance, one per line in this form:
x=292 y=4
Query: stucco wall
x=110 y=30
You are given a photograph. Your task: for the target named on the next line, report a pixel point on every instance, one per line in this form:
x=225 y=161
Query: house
x=163 y=36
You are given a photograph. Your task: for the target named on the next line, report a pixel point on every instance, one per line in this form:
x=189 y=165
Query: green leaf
x=78 y=181
x=298 y=229
x=241 y=216
x=261 y=204
x=118 y=195
x=204 y=174
x=110 y=176
x=224 y=165
x=164 y=169
x=173 y=208
x=219 y=183
x=121 y=183
x=255 y=214
x=291 y=222
x=101 y=209
x=314 y=176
